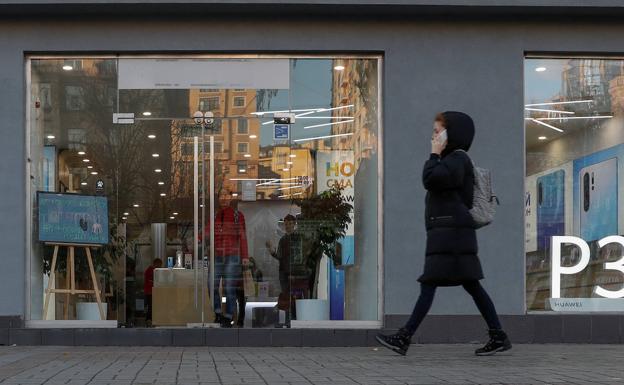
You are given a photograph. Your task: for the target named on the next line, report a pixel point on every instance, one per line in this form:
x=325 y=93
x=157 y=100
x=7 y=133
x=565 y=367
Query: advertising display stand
x=71 y=278
x=72 y=221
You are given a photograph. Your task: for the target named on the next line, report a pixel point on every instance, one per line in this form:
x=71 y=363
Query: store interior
x=574 y=126
x=235 y=192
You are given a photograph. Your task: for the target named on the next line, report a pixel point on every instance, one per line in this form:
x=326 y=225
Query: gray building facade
x=467 y=56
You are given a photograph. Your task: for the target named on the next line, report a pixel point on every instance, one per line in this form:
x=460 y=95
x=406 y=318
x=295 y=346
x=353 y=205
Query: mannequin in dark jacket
x=451 y=252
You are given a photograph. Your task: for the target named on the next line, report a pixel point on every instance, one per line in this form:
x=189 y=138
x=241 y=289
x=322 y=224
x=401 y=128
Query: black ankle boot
x=226 y=322
x=499 y=342
x=398 y=342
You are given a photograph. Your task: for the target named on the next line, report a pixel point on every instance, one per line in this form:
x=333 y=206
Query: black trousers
x=474 y=288
x=148 y=306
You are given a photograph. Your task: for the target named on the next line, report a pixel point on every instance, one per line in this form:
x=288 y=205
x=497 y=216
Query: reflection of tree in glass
x=122 y=153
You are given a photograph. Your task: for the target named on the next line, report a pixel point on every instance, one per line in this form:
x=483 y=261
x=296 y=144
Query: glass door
x=162 y=213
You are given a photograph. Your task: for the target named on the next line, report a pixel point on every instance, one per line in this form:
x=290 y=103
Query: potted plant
x=323 y=222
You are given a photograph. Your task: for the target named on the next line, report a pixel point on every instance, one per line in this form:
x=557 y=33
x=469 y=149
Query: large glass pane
x=295 y=206
x=76 y=151
x=574 y=155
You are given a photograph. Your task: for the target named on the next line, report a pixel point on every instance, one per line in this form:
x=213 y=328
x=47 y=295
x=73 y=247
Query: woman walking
x=451 y=252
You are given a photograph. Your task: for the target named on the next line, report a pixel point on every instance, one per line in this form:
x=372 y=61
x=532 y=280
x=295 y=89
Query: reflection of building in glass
x=354 y=99
x=289 y=172
x=616 y=92
x=236 y=138
x=589 y=79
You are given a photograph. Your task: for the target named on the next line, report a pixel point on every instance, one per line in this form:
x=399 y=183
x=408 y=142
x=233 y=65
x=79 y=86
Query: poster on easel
x=72 y=218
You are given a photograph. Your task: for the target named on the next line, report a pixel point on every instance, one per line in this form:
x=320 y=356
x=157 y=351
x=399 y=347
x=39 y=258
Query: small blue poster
x=281 y=131
x=336 y=292
x=72 y=218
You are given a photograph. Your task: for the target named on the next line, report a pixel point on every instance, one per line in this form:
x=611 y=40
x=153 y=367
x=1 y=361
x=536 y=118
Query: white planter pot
x=312 y=310
x=90 y=311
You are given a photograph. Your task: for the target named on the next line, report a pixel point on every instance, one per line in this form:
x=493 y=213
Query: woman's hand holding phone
x=438 y=143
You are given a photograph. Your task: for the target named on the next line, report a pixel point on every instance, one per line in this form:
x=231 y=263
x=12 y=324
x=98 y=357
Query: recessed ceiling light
x=201 y=205
x=147 y=113
x=242 y=170
x=151 y=136
x=93 y=172
x=339 y=68
x=124 y=218
x=292 y=155
x=234 y=194
x=50 y=137
x=247 y=155
x=157 y=170
x=542 y=138
x=68 y=68
x=161 y=183
x=135 y=205
x=89 y=167
x=126 y=213
x=83 y=183
x=86 y=160
x=163 y=194
x=289 y=162
x=540 y=69
x=175 y=213
x=81 y=153
x=252 y=136
x=171 y=217
x=155 y=155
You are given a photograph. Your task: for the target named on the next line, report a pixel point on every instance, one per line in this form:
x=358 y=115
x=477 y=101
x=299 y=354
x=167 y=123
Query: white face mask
x=442 y=137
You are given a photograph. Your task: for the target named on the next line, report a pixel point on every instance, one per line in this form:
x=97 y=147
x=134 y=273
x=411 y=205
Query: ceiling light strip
x=577 y=117
x=322 y=137
x=558 y=103
x=546 y=110
x=547 y=125
x=329 y=124
x=289 y=187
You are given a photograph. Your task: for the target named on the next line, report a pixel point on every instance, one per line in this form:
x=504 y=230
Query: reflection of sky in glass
x=310 y=87
x=542 y=86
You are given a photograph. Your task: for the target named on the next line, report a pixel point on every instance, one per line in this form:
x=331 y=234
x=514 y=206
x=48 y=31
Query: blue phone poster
x=596 y=193
x=72 y=218
x=550 y=207
x=336 y=292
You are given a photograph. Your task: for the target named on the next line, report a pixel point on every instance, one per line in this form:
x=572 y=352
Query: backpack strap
x=466 y=153
x=474 y=178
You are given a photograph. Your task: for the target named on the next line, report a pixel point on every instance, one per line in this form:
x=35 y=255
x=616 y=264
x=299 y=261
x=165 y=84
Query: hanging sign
x=249 y=190
x=281 y=131
x=172 y=73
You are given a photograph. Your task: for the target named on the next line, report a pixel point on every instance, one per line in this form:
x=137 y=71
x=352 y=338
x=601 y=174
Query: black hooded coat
x=451 y=254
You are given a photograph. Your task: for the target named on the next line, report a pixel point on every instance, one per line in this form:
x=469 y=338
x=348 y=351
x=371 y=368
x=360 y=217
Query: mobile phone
x=598 y=205
x=442 y=137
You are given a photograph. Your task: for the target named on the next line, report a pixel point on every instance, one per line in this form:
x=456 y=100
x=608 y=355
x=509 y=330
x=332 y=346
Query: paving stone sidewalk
x=425 y=364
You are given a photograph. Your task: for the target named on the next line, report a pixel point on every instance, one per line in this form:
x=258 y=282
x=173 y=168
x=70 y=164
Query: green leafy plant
x=324 y=220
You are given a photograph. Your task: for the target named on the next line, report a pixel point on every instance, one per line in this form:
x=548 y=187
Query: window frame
x=379 y=58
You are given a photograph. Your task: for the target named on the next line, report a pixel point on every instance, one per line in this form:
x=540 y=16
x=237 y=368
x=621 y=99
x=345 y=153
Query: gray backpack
x=484 y=201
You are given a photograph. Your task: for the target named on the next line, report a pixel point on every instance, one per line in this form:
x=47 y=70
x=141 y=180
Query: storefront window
x=144 y=228
x=573 y=189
